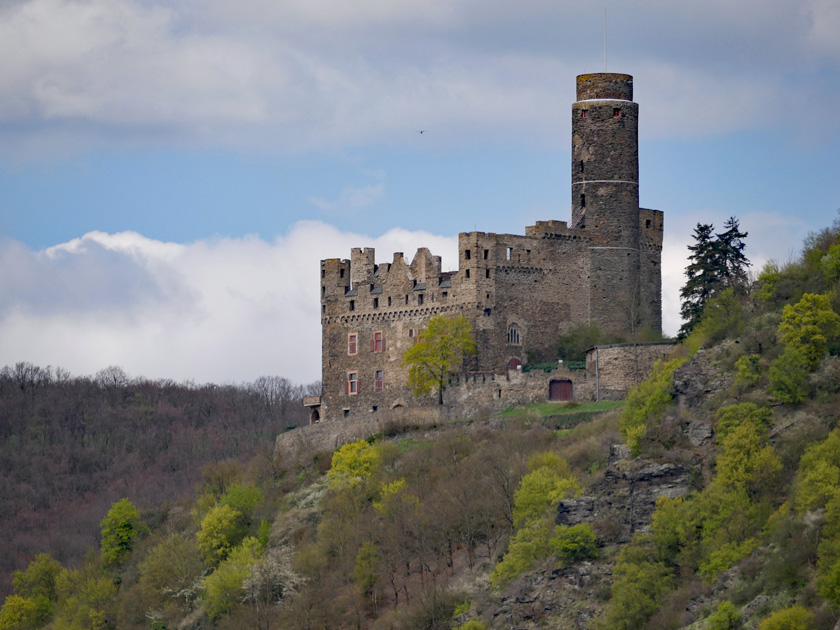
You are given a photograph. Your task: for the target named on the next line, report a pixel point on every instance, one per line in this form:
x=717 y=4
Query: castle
x=518 y=291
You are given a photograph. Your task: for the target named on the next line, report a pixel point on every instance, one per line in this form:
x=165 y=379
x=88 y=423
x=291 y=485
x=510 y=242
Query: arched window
x=513 y=337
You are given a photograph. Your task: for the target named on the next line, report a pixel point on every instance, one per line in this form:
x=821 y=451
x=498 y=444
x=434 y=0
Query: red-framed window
x=378 y=380
x=352 y=343
x=378 y=342
x=352 y=385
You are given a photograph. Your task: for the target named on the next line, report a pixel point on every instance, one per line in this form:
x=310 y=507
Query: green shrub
x=793 y=618
x=789 y=377
x=647 y=402
x=733 y=416
x=574 y=542
x=223 y=587
x=726 y=617
x=747 y=372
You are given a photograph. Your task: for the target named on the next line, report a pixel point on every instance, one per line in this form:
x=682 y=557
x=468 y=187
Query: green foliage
x=747 y=372
x=647 y=402
x=572 y=346
x=638 y=588
x=242 y=497
x=733 y=416
x=472 y=624
x=441 y=351
x=818 y=478
x=789 y=377
x=830 y=263
x=364 y=569
x=747 y=461
x=716 y=262
x=549 y=481
x=793 y=618
x=87 y=602
x=809 y=326
x=726 y=617
x=353 y=464
x=40 y=579
x=120 y=527
x=528 y=544
x=24 y=613
x=223 y=588
x=171 y=567
x=723 y=317
x=573 y=543
x=221 y=530
x=768 y=280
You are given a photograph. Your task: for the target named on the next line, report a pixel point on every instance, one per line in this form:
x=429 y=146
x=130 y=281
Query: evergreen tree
x=730 y=253
x=717 y=262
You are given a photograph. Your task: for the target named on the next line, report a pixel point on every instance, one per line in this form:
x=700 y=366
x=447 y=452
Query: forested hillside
x=71 y=446
x=709 y=500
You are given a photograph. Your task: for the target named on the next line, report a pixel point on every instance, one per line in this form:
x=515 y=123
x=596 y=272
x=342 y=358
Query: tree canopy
x=716 y=262
x=441 y=351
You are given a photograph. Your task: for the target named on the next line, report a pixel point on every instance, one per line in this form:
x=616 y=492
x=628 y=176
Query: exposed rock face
x=560 y=594
x=698 y=380
x=624 y=501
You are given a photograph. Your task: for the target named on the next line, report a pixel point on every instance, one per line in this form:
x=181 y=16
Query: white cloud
x=225 y=310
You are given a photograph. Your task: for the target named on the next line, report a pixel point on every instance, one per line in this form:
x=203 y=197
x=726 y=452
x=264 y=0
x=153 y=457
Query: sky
x=171 y=172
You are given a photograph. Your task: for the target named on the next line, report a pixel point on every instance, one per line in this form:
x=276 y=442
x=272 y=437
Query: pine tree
x=730 y=250
x=717 y=262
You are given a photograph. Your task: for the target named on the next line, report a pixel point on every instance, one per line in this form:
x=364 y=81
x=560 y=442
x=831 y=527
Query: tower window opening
x=486 y=273
x=647 y=223
x=420 y=300
x=466 y=254
x=467 y=274
x=389 y=300
x=582 y=167
x=406 y=300
x=323 y=273
x=584 y=113
x=509 y=253
x=341 y=273
x=616 y=112
x=583 y=201
x=352 y=305
x=513 y=337
x=375 y=302
x=486 y=253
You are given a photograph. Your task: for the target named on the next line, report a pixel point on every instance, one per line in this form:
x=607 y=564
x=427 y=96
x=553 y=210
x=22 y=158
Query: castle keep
x=518 y=291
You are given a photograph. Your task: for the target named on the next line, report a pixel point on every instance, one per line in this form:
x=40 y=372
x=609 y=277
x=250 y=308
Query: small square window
x=647 y=223
x=444 y=294
x=346 y=413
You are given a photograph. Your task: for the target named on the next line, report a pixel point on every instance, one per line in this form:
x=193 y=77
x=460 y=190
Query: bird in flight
x=421 y=131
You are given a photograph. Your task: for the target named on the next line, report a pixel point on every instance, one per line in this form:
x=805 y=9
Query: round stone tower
x=605 y=195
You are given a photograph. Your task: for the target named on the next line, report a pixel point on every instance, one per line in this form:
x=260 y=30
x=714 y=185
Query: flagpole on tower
x=605 y=40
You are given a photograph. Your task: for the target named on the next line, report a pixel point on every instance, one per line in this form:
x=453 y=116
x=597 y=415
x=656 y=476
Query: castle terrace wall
x=618 y=368
x=482 y=393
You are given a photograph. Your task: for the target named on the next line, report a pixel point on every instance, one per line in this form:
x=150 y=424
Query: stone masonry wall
x=620 y=367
